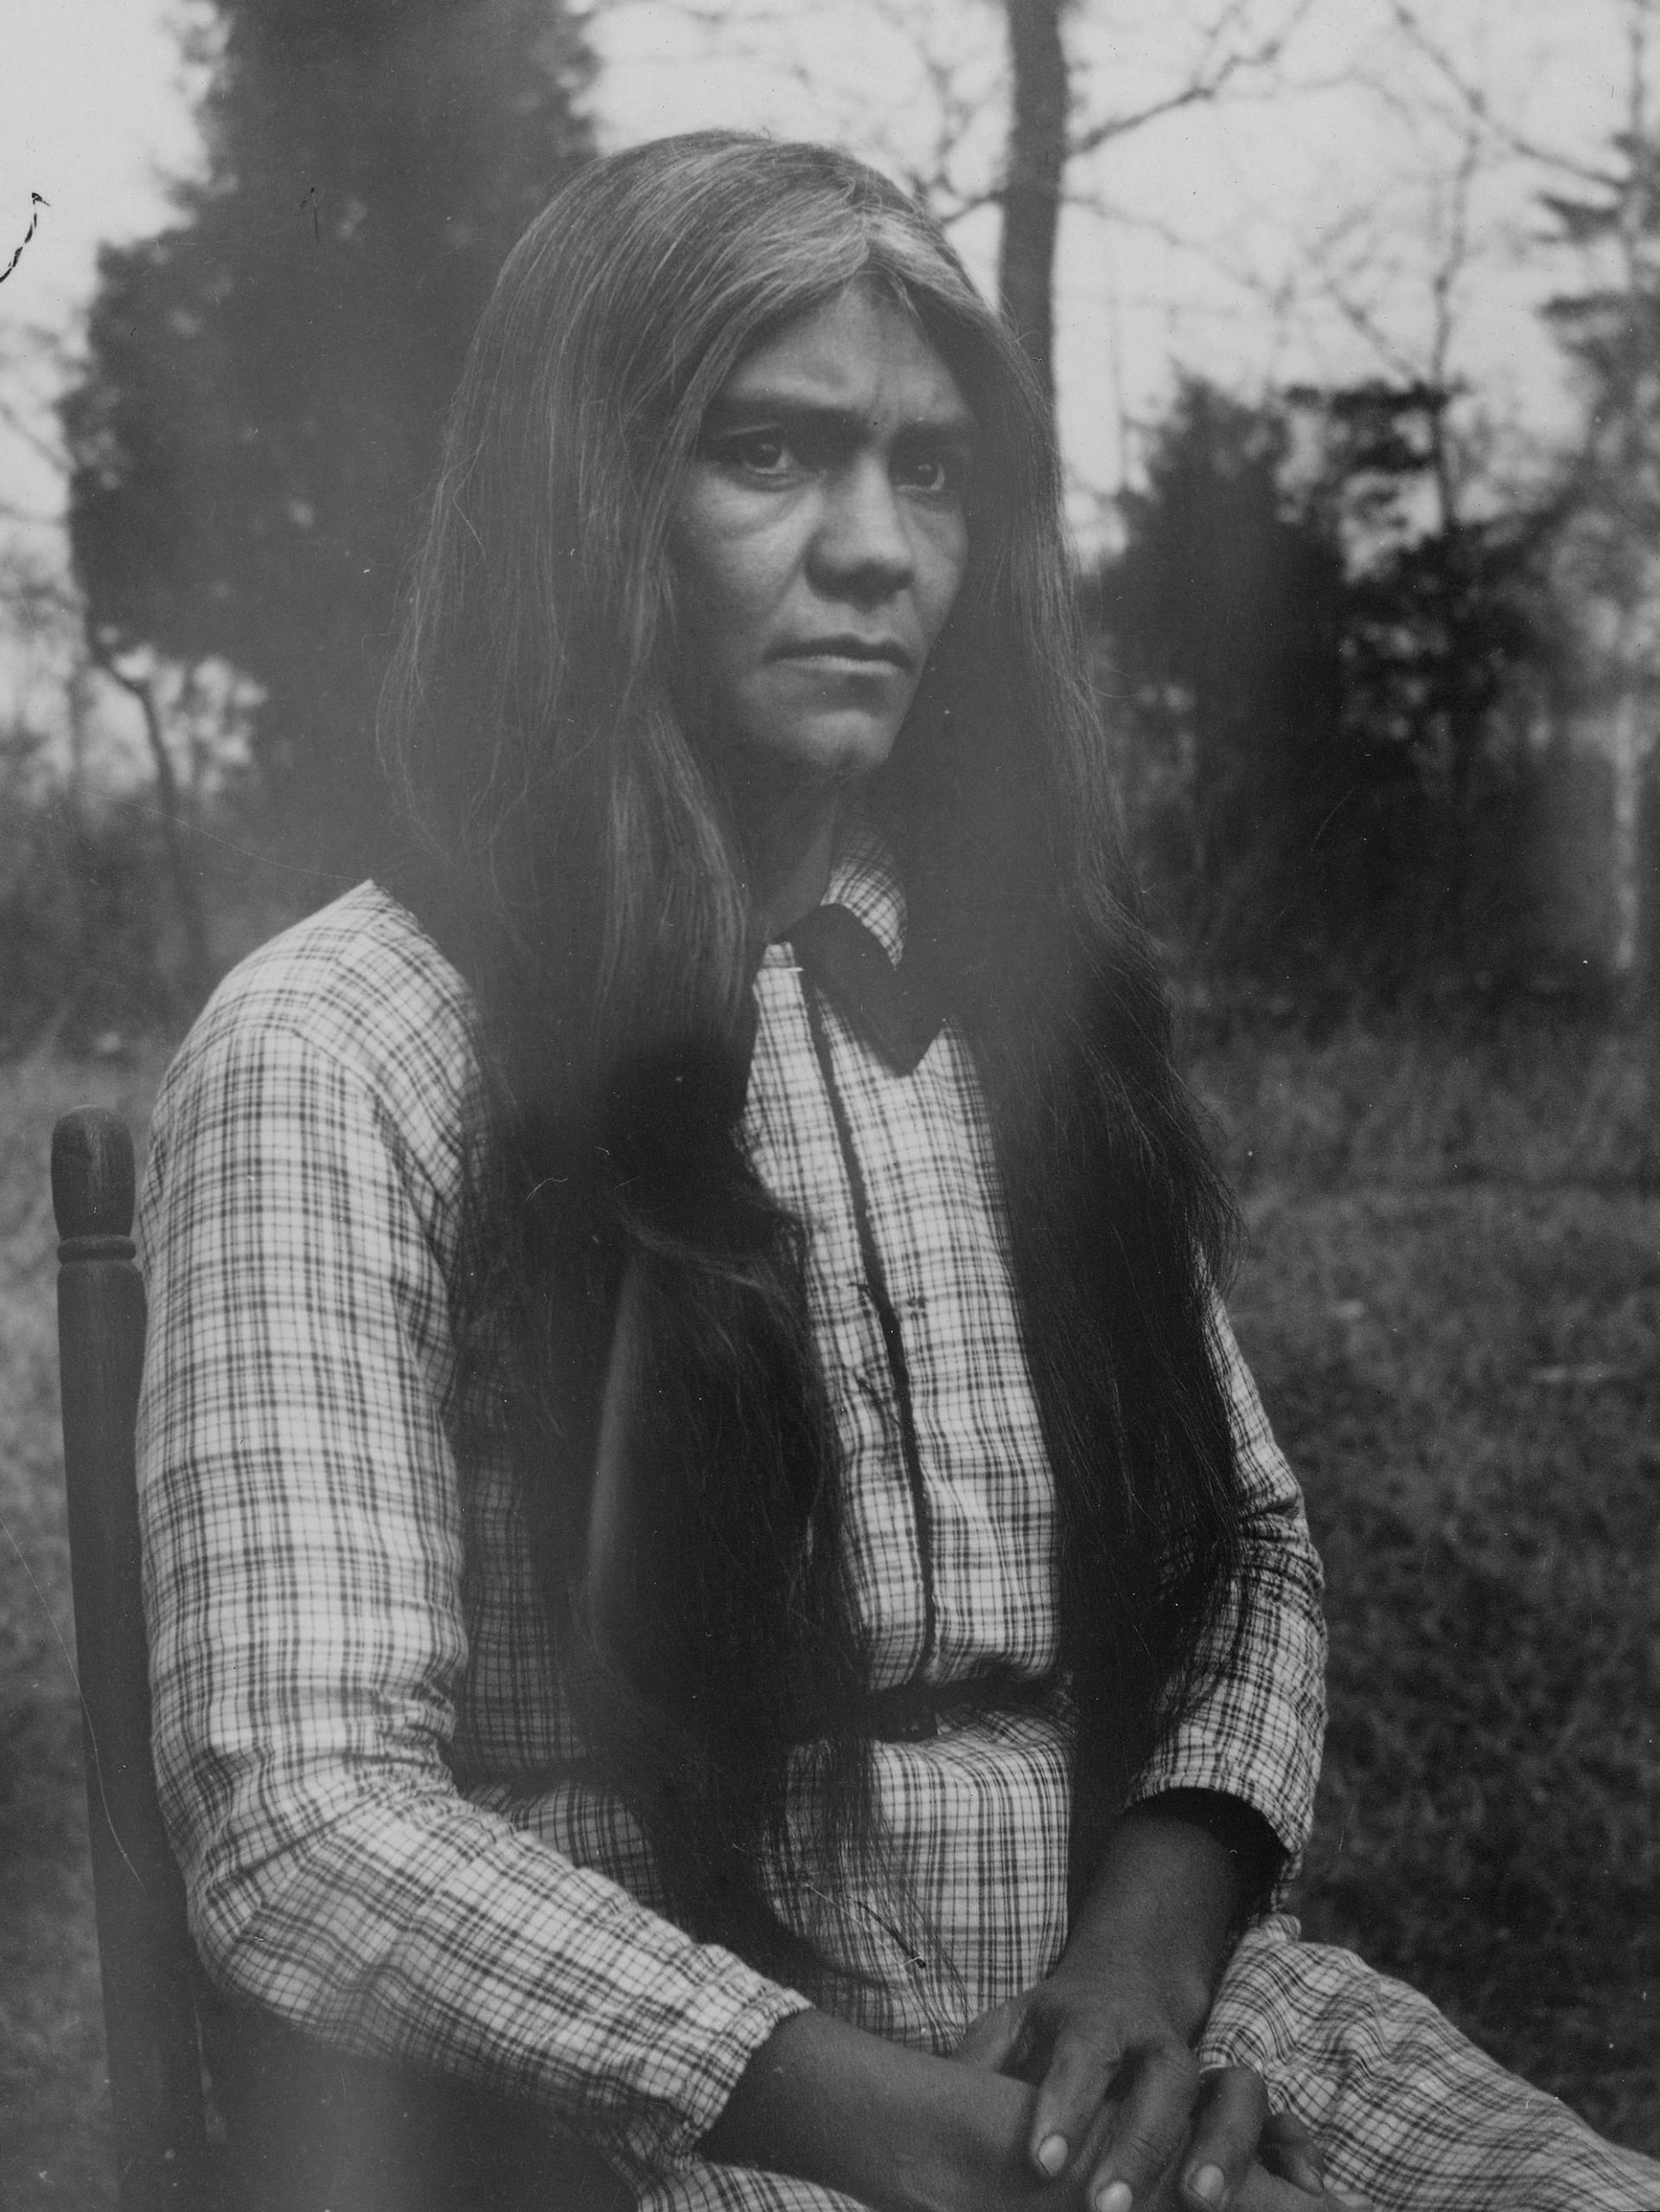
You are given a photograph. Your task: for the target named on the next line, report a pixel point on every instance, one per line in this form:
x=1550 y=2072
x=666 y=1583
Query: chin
x=838 y=752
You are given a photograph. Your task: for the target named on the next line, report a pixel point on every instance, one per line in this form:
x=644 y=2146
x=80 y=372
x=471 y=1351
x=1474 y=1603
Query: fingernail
x=1052 y=2153
x=1208 y=2184
x=1116 y=2197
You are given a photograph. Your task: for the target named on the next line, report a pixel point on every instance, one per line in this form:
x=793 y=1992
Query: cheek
x=941 y=565
x=728 y=586
x=724 y=526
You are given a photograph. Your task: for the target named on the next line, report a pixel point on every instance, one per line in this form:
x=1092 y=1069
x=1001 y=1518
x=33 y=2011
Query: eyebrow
x=951 y=425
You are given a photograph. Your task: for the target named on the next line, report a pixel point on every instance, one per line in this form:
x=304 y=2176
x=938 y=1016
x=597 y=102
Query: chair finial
x=91 y=1175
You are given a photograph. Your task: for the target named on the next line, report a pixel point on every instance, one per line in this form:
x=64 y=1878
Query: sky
x=94 y=117
x=1291 y=233
x=1271 y=238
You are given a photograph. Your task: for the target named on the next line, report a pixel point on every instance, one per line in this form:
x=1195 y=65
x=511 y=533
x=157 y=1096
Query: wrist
x=1258 y=1855
x=968 y=2134
x=893 y=2128
x=1160 y=1917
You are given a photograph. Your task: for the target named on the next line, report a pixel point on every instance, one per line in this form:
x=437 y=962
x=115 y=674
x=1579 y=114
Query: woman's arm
x=900 y=2131
x=894 y=2129
x=304 y=1572
x=1255 y=1732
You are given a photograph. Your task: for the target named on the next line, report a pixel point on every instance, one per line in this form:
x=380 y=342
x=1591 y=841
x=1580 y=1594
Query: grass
x=1452 y=1302
x=1468 y=1384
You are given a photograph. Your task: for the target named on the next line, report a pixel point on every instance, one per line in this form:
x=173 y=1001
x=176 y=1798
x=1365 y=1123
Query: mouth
x=883 y=652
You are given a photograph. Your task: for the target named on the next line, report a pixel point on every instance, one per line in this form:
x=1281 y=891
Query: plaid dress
x=369 y=1770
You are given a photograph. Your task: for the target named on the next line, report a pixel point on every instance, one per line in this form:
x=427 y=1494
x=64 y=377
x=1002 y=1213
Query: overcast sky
x=1252 y=241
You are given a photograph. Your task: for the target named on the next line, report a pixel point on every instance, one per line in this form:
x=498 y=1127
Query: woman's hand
x=1147 y=2126
x=1106 y=2040
x=1082 y=2095
x=900 y=2130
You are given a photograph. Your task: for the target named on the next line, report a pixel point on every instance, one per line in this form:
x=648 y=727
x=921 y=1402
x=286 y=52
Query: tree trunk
x=1031 y=195
x=187 y=895
x=1628 y=750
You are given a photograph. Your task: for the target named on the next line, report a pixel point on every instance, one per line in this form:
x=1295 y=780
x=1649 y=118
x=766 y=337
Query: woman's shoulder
x=358 y=985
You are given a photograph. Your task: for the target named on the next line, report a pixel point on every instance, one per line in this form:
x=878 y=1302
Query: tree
x=1611 y=331
x=265 y=381
x=54 y=955
x=1034 y=172
x=1604 y=215
x=1223 y=614
x=993 y=106
x=1313 y=664
x=1443 y=620
x=1234 y=42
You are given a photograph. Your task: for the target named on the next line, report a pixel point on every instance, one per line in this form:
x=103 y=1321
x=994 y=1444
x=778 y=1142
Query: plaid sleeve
x=303 y=1560
x=1255 y=1731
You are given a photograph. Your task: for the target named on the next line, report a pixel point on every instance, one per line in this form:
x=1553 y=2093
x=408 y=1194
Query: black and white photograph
x=830 y=1106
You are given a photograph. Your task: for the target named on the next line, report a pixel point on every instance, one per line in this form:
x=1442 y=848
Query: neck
x=791 y=840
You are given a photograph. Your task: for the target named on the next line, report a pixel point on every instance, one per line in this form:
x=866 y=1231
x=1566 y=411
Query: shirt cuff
x=1186 y=1761
x=727 y=2023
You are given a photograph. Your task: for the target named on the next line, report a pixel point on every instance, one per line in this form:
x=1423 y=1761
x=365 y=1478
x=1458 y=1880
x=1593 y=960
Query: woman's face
x=822 y=538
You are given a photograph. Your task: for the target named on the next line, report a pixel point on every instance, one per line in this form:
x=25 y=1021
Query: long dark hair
x=574 y=853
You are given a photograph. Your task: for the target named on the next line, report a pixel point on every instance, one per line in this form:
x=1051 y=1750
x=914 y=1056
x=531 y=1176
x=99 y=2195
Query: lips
x=884 y=651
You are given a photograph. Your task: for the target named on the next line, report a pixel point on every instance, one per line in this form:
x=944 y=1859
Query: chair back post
x=144 y=1949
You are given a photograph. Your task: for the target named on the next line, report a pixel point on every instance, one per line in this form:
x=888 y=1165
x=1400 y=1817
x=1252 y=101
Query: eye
x=938 y=472
x=756 y=453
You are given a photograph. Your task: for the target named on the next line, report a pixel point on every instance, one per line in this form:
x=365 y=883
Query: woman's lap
x=739 y=2188
x=1406 y=2108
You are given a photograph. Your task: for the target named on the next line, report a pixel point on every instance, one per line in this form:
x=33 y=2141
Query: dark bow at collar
x=896 y=1009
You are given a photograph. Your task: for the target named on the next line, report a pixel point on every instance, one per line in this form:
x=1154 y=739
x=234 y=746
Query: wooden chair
x=144 y=1950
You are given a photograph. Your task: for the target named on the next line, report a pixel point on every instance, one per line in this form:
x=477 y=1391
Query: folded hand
x=1123 y=2107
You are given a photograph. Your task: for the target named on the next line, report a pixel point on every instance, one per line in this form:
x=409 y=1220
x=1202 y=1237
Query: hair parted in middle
x=573 y=851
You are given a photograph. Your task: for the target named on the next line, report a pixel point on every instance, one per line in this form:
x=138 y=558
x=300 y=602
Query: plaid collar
x=864 y=881
x=851 y=949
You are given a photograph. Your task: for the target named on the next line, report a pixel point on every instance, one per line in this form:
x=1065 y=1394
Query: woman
x=714 y=1573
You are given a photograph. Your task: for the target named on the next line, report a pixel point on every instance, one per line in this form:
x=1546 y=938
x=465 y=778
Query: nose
x=862 y=547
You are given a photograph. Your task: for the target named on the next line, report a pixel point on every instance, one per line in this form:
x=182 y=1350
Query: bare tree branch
x=1475 y=98
x=17 y=423
x=1216 y=66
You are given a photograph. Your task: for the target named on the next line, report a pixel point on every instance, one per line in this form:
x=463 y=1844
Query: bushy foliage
x=1609 y=328
x=82 y=926
x=95 y=942
x=265 y=380
x=1321 y=680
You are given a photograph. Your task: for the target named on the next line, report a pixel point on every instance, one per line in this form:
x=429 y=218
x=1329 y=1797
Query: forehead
x=860 y=355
